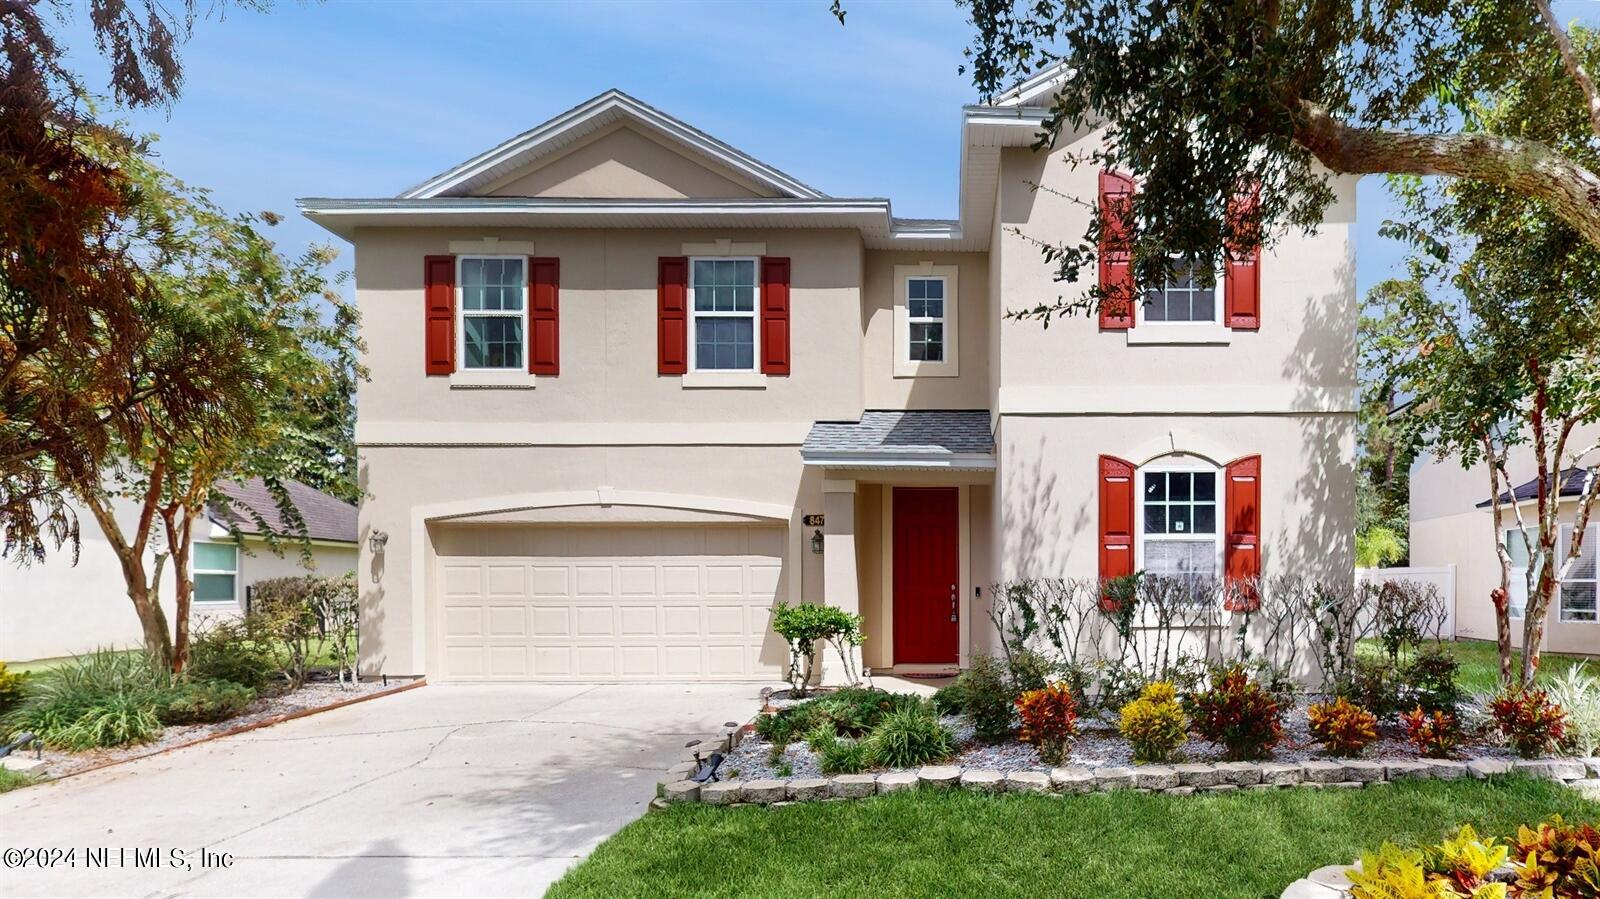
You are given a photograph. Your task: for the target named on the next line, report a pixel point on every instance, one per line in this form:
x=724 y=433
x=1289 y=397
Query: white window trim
x=755 y=329
x=1591 y=533
x=1165 y=464
x=950 y=366
x=195 y=571
x=1519 y=574
x=471 y=377
x=1193 y=333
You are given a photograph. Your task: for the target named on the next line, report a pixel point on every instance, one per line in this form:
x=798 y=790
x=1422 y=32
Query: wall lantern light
x=377 y=541
x=816 y=542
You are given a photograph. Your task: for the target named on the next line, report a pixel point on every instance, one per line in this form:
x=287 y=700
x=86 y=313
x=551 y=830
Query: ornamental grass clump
x=1154 y=724
x=1530 y=723
x=909 y=738
x=1049 y=720
x=99 y=699
x=1237 y=713
x=1436 y=735
x=1343 y=728
x=1578 y=694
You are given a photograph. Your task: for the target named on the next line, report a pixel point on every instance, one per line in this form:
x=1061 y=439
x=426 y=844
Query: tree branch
x=1528 y=167
x=1569 y=58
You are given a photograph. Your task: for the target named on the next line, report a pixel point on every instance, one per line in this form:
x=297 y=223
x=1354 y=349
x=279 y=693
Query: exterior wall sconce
x=377 y=541
x=816 y=542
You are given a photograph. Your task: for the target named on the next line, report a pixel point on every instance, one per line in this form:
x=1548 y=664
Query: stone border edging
x=244 y=728
x=1178 y=779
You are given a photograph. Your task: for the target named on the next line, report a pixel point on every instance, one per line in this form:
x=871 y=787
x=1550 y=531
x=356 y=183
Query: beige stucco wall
x=969 y=389
x=622 y=162
x=1447 y=528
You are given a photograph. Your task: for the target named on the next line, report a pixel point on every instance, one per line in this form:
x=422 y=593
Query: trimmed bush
x=1049 y=720
x=1430 y=681
x=1154 y=724
x=1237 y=713
x=987 y=697
x=1373 y=685
x=1435 y=734
x=203 y=701
x=12 y=687
x=803 y=626
x=1343 y=728
x=235 y=650
x=1529 y=721
x=910 y=738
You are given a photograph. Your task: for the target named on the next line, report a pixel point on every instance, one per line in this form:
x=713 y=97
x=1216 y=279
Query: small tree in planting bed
x=803 y=626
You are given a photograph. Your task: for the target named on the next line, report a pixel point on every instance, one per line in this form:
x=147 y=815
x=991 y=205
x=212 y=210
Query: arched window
x=1180 y=511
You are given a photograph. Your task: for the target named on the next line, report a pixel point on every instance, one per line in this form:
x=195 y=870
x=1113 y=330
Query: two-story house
x=631 y=387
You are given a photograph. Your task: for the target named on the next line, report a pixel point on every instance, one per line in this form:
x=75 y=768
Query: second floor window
x=494 y=314
x=1185 y=297
x=925 y=317
x=724 y=309
x=1179 y=531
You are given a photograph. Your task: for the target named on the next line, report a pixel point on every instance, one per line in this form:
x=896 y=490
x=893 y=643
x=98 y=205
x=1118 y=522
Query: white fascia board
x=1004 y=116
x=609 y=102
x=917 y=461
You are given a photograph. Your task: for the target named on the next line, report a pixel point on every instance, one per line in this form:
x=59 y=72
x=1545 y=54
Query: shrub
x=305 y=615
x=1237 y=713
x=1049 y=720
x=842 y=756
x=1430 y=681
x=950 y=699
x=986 y=698
x=203 y=701
x=851 y=711
x=1342 y=727
x=12 y=687
x=803 y=626
x=235 y=650
x=1528 y=721
x=1578 y=694
x=1029 y=670
x=102 y=698
x=909 y=738
x=1558 y=859
x=1119 y=685
x=1435 y=734
x=1154 y=724
x=1373 y=685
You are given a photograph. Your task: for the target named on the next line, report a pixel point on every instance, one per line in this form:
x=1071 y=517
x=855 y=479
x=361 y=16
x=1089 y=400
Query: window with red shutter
x=1116 y=519
x=544 y=316
x=1242 y=270
x=1119 y=298
x=1242 y=555
x=439 y=306
x=672 y=315
x=774 y=346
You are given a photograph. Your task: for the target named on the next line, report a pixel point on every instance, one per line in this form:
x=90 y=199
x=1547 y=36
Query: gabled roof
x=326 y=517
x=1571 y=485
x=585 y=119
x=923 y=438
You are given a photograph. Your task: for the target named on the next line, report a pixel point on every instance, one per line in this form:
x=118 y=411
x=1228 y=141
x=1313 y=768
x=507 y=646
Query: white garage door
x=609 y=603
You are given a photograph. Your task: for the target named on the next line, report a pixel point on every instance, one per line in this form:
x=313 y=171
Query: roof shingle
x=326 y=517
x=1571 y=485
x=930 y=432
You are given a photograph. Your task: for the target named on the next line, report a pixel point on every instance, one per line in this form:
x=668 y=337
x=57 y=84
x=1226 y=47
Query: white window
x=1179 y=511
x=1185 y=297
x=216 y=572
x=724 y=313
x=1521 y=556
x=925 y=317
x=494 y=312
x=1578 y=587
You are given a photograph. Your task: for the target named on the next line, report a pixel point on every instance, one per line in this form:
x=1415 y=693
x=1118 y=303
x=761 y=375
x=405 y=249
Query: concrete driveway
x=440 y=791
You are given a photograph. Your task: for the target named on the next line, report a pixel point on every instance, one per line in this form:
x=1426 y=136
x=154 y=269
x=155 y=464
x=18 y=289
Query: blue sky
x=364 y=99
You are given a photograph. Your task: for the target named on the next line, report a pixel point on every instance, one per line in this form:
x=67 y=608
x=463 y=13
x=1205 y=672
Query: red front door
x=926 y=571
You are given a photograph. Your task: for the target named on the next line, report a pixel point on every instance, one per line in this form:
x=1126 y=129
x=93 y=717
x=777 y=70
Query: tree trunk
x=1501 y=597
x=1531 y=168
x=143 y=589
x=179 y=523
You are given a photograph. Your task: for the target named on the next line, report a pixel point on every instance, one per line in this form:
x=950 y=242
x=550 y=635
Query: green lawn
x=13 y=780
x=1105 y=846
x=323 y=659
x=1480 y=663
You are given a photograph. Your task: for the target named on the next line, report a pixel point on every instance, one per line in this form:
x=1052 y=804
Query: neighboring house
x=631 y=386
x=1452 y=523
x=55 y=608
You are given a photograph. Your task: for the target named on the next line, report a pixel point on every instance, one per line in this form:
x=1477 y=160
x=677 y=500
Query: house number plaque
x=812 y=521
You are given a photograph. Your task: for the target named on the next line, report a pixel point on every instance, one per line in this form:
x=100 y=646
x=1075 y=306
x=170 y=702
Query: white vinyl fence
x=1442 y=577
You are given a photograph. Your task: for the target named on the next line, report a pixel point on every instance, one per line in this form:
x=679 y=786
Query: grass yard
x=1480 y=663
x=1105 y=846
x=324 y=658
x=14 y=780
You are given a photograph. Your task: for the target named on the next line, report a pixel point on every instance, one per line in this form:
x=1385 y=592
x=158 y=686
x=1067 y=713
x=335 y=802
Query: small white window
x=1178 y=515
x=724 y=311
x=494 y=312
x=1185 y=297
x=1578 y=587
x=1521 y=556
x=925 y=317
x=216 y=572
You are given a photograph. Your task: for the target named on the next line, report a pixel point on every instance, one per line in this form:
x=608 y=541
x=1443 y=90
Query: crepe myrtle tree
x=1229 y=115
x=1496 y=334
x=268 y=337
x=805 y=625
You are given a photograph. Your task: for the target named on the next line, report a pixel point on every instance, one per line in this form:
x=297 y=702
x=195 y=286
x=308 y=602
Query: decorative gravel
x=1098 y=745
x=312 y=696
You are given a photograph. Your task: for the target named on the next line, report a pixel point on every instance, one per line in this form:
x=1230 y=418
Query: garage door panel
x=615 y=603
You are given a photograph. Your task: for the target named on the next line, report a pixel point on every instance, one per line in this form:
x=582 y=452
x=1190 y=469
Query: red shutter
x=775 y=315
x=544 y=315
x=439 y=302
x=1242 y=274
x=1118 y=297
x=672 y=315
x=1242 y=511
x=1116 y=517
